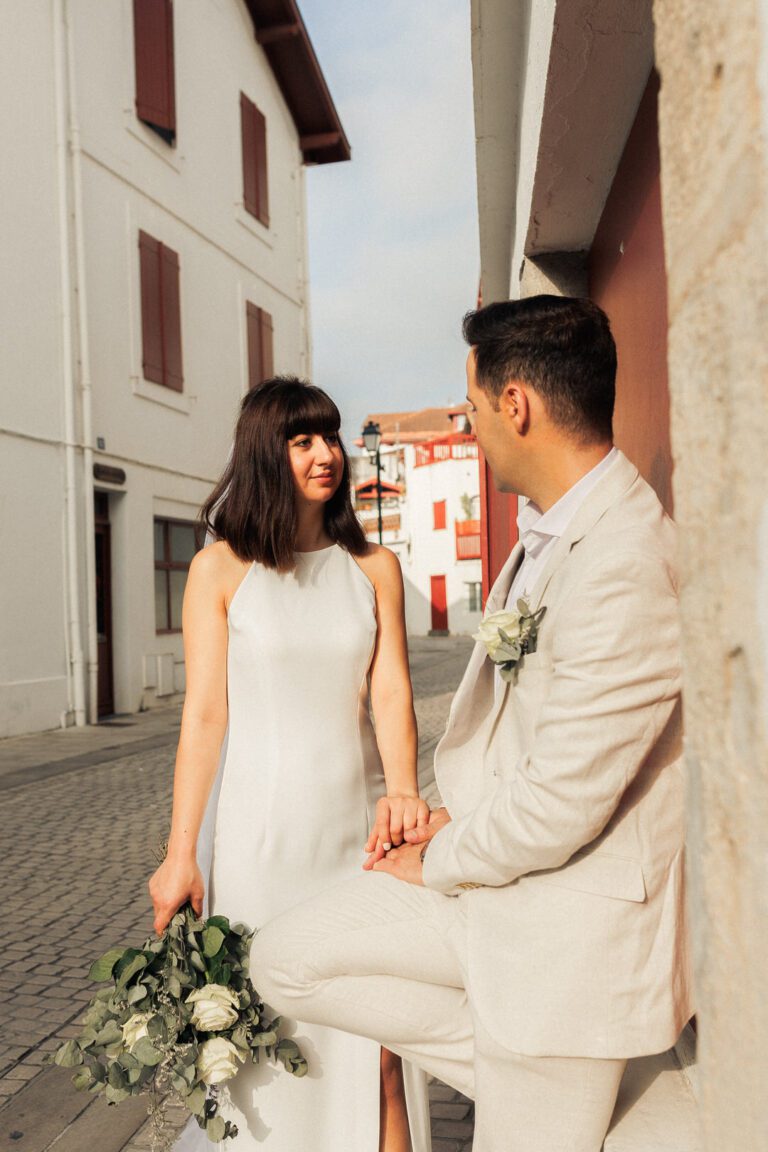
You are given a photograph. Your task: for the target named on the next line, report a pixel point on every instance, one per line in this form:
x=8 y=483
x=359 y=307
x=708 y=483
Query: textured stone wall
x=712 y=116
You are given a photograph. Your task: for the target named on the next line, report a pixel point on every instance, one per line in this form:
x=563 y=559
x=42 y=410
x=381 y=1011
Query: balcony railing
x=458 y=446
x=390 y=522
x=467 y=539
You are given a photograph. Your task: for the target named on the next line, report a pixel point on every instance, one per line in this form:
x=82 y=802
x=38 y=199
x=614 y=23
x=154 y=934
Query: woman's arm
x=203 y=724
x=392 y=702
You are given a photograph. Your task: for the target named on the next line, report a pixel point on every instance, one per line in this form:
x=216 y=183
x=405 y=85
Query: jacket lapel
x=611 y=487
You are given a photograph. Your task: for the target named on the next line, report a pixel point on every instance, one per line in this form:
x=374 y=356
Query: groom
x=533 y=937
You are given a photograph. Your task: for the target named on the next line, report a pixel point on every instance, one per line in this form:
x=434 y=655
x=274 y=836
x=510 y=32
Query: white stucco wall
x=171 y=446
x=433 y=552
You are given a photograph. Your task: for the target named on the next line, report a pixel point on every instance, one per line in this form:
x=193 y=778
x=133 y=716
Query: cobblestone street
x=82 y=812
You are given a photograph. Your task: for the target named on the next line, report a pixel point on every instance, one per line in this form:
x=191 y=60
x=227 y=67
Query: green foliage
x=137 y=1034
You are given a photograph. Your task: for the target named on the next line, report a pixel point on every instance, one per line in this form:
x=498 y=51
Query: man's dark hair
x=253 y=506
x=560 y=345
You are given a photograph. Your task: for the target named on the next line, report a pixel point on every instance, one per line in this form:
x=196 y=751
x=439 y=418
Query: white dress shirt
x=539 y=532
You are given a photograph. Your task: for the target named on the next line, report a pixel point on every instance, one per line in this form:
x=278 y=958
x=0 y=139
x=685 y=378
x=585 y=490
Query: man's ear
x=516 y=407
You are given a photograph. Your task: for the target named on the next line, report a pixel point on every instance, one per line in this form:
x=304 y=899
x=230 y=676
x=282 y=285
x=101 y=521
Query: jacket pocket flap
x=600 y=874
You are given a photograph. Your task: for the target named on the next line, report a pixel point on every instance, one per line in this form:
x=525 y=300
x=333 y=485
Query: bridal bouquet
x=177 y=1018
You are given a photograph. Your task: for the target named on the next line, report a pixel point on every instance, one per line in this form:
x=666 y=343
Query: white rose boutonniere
x=215 y=1008
x=508 y=636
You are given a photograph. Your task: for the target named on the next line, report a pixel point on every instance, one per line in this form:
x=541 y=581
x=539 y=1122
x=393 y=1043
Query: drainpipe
x=77 y=665
x=86 y=393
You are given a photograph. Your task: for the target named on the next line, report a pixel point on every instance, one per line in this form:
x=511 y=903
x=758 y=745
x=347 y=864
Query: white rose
x=135 y=1029
x=488 y=633
x=217 y=1060
x=215 y=1008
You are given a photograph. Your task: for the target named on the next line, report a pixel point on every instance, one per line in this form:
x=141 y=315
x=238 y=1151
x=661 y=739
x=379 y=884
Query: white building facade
x=154 y=268
x=431 y=520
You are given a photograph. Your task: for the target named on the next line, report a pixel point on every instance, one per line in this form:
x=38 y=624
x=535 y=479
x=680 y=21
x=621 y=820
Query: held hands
x=175 y=882
x=406 y=862
x=396 y=816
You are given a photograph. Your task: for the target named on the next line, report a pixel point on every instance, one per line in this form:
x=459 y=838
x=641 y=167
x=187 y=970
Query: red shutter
x=261 y=166
x=169 y=278
x=153 y=53
x=438 y=512
x=254 y=141
x=247 y=128
x=267 y=359
x=260 y=361
x=151 y=308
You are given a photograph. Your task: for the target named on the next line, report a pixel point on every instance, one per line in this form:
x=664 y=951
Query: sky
x=393 y=245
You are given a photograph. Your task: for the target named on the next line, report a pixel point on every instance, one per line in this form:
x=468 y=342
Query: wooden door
x=106 y=700
x=439 y=603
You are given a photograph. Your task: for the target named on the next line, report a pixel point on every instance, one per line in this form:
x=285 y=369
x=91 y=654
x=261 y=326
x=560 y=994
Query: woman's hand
x=395 y=815
x=175 y=882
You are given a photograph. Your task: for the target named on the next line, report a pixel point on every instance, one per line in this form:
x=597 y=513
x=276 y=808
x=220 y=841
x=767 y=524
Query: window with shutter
x=254 y=139
x=160 y=313
x=260 y=357
x=153 y=54
x=438 y=512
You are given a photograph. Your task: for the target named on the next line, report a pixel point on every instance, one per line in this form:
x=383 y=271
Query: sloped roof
x=421 y=425
x=281 y=32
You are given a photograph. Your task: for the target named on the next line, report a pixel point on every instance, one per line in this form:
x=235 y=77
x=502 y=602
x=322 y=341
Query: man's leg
x=541 y=1103
x=379 y=958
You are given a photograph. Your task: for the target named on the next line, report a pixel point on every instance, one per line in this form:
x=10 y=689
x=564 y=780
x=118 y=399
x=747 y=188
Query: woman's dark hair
x=560 y=345
x=253 y=506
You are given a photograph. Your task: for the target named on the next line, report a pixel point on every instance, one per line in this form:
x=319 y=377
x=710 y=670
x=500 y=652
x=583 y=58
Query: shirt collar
x=537 y=529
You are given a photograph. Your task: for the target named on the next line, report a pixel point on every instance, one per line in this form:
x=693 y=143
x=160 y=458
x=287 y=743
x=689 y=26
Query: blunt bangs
x=311 y=411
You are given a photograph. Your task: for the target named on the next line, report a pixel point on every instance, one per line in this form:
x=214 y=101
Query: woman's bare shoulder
x=218 y=566
x=380 y=565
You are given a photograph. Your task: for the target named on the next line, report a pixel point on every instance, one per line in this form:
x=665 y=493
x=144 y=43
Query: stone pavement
x=82 y=811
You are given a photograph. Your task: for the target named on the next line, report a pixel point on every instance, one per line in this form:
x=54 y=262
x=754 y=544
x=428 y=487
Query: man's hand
x=422 y=833
x=406 y=863
x=403 y=863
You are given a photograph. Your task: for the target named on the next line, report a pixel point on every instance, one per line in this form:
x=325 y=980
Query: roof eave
x=281 y=32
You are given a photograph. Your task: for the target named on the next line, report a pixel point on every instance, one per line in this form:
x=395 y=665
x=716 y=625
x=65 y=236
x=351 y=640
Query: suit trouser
x=387 y=960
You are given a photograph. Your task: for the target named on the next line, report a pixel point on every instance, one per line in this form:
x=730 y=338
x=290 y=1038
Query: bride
x=288 y=618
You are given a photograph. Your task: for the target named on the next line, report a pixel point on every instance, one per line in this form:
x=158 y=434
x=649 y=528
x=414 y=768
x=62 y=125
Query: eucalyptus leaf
x=135 y=965
x=218 y=922
x=82 y=1079
x=111 y=1033
x=197 y=961
x=136 y=993
x=195 y=1100
x=69 y=1055
x=213 y=938
x=145 y=1051
x=102 y=968
x=115 y=1095
x=116 y=1076
x=215 y=1128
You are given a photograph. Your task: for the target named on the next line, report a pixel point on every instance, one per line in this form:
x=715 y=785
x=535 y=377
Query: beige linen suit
x=565 y=850
x=566 y=793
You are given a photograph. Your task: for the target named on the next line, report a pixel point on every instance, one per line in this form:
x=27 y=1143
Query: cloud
x=393 y=235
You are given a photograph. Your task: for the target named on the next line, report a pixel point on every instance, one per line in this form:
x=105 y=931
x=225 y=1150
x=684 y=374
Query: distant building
x=154 y=269
x=430 y=514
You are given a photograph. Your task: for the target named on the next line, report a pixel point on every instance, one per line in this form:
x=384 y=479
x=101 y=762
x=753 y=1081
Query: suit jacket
x=566 y=792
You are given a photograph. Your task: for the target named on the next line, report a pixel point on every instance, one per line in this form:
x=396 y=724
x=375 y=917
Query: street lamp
x=372 y=443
